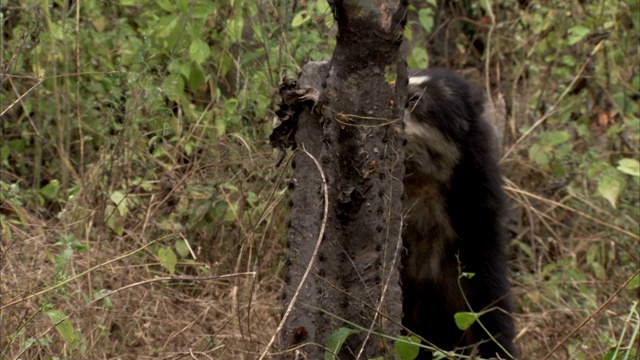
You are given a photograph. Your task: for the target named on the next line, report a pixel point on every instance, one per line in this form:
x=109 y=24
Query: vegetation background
x=142 y=216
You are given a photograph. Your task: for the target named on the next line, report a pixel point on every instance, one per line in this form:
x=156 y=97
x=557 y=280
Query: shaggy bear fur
x=454 y=202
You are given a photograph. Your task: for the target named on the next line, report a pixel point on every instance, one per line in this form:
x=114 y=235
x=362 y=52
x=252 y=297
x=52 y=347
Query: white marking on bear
x=419 y=80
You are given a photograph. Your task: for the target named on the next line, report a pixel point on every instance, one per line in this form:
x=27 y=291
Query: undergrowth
x=142 y=215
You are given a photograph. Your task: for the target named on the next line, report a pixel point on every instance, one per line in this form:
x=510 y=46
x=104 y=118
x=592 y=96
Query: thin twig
x=569 y=208
x=73 y=278
x=575 y=330
x=129 y=286
x=22 y=97
x=552 y=110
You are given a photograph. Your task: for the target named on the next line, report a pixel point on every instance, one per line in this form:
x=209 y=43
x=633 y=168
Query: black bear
x=454 y=202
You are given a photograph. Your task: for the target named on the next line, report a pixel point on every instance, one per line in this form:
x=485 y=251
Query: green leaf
x=300 y=18
x=554 y=138
x=635 y=282
x=419 y=58
x=165 y=31
x=230 y=215
x=181 y=67
x=166 y=5
x=63 y=259
x=4 y=154
x=167 y=259
x=635 y=83
x=196 y=78
x=252 y=198
x=234 y=27
x=598 y=270
x=617 y=353
x=610 y=185
x=199 y=51
x=220 y=209
x=629 y=166
x=78 y=246
x=568 y=60
x=577 y=33
x=439 y=355
x=183 y=5
x=337 y=338
x=625 y=102
x=323 y=8
x=16 y=145
x=465 y=319
x=188 y=148
x=408 y=33
x=6 y=230
x=425 y=16
x=50 y=191
x=182 y=248
x=120 y=200
x=173 y=86
x=104 y=294
x=539 y=155
x=406 y=351
x=113 y=221
x=117 y=197
x=64 y=327
x=468 y=275
x=525 y=248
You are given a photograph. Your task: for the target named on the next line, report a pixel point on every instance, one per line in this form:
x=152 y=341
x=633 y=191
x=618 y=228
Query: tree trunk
x=354 y=132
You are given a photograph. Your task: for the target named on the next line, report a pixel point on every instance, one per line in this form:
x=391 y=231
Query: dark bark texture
x=352 y=126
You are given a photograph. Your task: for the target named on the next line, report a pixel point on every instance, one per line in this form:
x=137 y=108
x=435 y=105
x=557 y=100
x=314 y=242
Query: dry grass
x=571 y=289
x=223 y=307
x=228 y=306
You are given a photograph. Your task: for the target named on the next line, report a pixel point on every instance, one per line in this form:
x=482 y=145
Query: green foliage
x=50 y=191
x=182 y=248
x=553 y=149
x=635 y=282
x=551 y=145
x=167 y=259
x=64 y=326
x=300 y=18
x=406 y=347
x=610 y=183
x=69 y=245
x=629 y=167
x=630 y=350
x=336 y=340
x=103 y=294
x=111 y=100
x=419 y=58
x=622 y=354
x=465 y=319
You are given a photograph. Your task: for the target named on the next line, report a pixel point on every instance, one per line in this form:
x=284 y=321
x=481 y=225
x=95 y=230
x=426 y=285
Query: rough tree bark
x=346 y=114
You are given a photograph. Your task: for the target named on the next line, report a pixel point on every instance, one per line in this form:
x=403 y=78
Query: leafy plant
x=405 y=347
